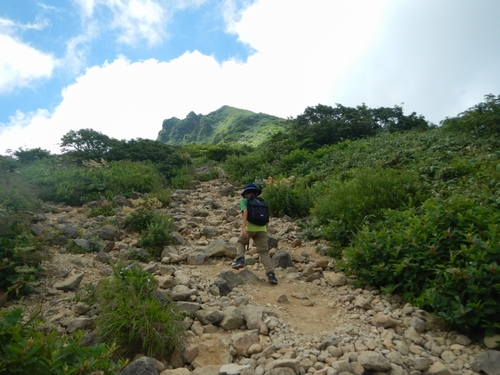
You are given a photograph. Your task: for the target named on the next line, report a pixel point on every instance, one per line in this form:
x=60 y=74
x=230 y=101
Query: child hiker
x=256 y=230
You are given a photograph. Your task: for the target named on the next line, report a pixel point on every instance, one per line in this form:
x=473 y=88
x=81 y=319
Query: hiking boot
x=240 y=263
x=272 y=278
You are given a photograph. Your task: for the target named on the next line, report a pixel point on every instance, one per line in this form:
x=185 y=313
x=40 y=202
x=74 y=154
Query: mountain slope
x=227 y=124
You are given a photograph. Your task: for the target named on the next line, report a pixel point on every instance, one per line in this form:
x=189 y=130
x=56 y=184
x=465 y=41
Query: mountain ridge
x=224 y=125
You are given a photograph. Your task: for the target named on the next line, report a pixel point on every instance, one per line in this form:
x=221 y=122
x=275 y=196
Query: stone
x=209 y=316
x=382 y=320
x=196 y=258
x=182 y=292
x=290 y=363
x=282 y=259
x=222 y=286
x=219 y=248
x=71 y=283
x=210 y=232
x=232 y=278
x=177 y=371
x=488 y=362
x=232 y=369
x=141 y=366
x=78 y=324
x=233 y=319
x=241 y=342
x=438 y=368
x=336 y=279
x=373 y=361
x=492 y=342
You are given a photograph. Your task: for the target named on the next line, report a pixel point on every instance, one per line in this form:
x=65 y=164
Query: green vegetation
x=380 y=192
x=26 y=348
x=443 y=256
x=154 y=229
x=105 y=210
x=404 y=205
x=223 y=126
x=132 y=315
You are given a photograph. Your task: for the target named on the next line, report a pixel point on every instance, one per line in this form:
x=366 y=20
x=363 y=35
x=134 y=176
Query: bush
x=16 y=194
x=343 y=206
x=443 y=257
x=20 y=256
x=134 y=316
x=163 y=195
x=249 y=167
x=482 y=119
x=102 y=211
x=156 y=236
x=288 y=197
x=75 y=185
x=26 y=349
x=139 y=219
x=212 y=174
x=182 y=178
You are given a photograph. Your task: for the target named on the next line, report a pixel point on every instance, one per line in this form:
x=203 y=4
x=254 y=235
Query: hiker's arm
x=244 y=223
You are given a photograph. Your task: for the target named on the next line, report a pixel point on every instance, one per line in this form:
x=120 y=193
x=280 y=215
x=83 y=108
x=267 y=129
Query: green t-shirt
x=249 y=226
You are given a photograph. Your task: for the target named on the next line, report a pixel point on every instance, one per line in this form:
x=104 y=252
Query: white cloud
x=139 y=20
x=293 y=67
x=320 y=51
x=21 y=64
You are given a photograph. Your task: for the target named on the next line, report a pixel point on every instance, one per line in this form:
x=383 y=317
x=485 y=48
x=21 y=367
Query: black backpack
x=258 y=211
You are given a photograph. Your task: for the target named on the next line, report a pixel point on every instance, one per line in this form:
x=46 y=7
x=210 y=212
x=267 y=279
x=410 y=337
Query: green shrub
x=288 y=197
x=139 y=219
x=20 y=256
x=212 y=174
x=481 y=119
x=126 y=177
x=157 y=235
x=135 y=317
x=343 y=206
x=101 y=211
x=96 y=244
x=182 y=178
x=75 y=185
x=249 y=167
x=16 y=194
x=163 y=195
x=27 y=349
x=443 y=257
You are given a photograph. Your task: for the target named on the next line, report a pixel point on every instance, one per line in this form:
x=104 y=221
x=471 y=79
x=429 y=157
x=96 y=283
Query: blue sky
x=122 y=66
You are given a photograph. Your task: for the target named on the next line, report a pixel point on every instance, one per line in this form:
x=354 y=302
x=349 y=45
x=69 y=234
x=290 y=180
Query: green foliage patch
x=135 y=317
x=157 y=235
x=442 y=256
x=26 y=348
x=105 y=210
x=343 y=206
x=155 y=229
x=75 y=185
x=20 y=255
x=288 y=197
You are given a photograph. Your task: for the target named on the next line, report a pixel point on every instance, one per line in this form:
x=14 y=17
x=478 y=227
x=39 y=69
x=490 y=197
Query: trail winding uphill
x=312 y=322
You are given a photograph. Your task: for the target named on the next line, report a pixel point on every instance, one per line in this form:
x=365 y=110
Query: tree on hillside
x=167 y=158
x=325 y=125
x=482 y=119
x=30 y=155
x=86 y=144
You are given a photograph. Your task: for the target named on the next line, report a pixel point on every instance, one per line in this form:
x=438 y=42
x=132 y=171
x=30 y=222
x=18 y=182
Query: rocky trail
x=312 y=322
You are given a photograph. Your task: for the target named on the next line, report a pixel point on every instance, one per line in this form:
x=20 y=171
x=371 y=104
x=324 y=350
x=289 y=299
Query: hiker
x=257 y=231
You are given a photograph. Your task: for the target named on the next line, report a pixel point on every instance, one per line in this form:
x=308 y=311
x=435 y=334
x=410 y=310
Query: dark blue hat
x=251 y=187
